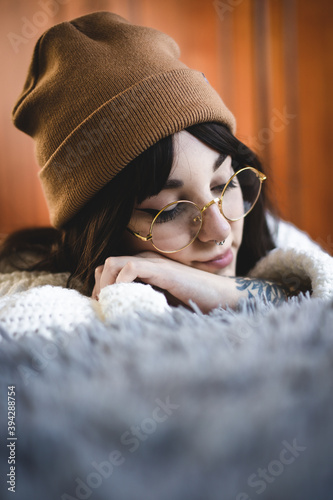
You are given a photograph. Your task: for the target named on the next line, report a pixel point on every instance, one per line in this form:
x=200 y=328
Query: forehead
x=194 y=158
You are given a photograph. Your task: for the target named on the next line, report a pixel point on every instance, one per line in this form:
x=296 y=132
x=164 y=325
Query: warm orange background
x=271 y=61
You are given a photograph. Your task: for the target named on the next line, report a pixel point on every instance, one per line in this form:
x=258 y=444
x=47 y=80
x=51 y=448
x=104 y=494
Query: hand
x=177 y=280
x=182 y=282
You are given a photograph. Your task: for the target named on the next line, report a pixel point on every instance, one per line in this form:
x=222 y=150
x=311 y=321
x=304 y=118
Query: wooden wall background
x=271 y=61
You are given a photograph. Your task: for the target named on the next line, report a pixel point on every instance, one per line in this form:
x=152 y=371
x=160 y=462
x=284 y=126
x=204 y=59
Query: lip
x=220 y=261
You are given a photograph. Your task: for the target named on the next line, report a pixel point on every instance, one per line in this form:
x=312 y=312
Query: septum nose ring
x=220 y=243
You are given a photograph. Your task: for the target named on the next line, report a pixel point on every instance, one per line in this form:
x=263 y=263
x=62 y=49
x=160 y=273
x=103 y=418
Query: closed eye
x=232 y=184
x=167 y=214
x=219 y=188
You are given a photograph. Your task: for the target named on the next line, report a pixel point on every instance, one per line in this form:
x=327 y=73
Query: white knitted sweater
x=38 y=302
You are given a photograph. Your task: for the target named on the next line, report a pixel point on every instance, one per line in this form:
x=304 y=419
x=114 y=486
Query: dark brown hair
x=94 y=233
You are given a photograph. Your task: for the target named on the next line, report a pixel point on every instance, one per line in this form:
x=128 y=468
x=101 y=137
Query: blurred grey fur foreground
x=235 y=405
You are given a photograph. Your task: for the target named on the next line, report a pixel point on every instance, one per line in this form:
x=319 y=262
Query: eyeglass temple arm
x=142 y=238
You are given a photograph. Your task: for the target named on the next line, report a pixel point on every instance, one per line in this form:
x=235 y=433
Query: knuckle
x=130 y=265
x=98 y=270
x=109 y=262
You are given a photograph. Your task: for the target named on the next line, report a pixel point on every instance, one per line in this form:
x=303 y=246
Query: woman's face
x=197 y=175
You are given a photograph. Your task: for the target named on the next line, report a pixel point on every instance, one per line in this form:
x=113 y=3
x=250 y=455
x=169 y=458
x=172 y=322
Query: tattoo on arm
x=265 y=290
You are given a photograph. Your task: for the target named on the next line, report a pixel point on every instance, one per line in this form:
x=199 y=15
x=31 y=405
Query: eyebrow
x=173 y=183
x=219 y=161
x=176 y=183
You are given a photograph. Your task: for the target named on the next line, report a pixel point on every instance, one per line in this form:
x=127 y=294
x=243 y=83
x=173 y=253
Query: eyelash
x=166 y=215
x=169 y=215
x=220 y=188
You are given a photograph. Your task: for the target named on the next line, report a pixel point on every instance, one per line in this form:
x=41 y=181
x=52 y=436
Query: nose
x=214 y=226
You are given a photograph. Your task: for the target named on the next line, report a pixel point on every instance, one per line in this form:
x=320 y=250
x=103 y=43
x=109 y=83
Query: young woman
x=188 y=236
x=144 y=178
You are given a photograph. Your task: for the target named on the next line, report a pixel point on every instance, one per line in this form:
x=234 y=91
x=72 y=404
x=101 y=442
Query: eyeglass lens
x=240 y=194
x=176 y=226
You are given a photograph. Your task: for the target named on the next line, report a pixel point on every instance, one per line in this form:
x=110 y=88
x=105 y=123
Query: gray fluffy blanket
x=230 y=406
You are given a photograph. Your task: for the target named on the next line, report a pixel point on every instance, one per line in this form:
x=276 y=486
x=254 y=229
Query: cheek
x=130 y=245
x=237 y=232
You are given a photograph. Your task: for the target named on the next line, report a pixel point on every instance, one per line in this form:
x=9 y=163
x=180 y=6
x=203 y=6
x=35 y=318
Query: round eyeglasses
x=178 y=224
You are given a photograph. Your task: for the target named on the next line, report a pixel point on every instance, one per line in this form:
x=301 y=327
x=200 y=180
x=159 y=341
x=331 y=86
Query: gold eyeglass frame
x=262 y=177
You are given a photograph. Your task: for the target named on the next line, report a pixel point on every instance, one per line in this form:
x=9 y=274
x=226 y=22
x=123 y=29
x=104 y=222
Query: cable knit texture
x=38 y=302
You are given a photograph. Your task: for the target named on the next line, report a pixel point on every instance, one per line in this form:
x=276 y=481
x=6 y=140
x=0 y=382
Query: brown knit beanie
x=99 y=92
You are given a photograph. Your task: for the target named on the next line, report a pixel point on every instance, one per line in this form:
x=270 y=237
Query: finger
x=128 y=273
x=136 y=269
x=111 y=269
x=97 y=288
